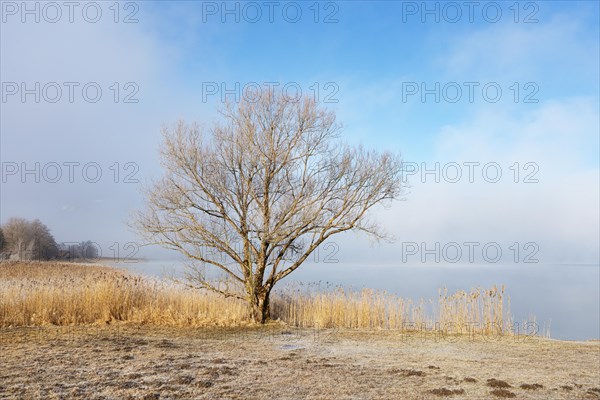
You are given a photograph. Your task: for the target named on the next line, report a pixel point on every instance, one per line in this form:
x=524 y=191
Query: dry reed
x=480 y=311
x=69 y=294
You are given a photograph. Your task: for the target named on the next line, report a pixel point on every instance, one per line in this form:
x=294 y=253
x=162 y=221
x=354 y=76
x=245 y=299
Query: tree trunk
x=259 y=306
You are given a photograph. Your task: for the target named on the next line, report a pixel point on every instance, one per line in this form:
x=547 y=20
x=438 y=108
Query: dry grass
x=71 y=294
x=480 y=311
x=127 y=361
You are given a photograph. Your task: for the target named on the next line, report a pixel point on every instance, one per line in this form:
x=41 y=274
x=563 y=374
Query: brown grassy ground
x=124 y=361
x=88 y=332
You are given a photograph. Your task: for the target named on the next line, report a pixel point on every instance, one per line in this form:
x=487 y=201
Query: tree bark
x=260 y=311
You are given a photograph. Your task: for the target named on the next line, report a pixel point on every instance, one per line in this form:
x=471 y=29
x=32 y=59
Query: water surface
x=566 y=296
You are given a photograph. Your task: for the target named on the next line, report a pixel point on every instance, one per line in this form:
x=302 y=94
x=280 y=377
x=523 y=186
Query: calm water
x=567 y=296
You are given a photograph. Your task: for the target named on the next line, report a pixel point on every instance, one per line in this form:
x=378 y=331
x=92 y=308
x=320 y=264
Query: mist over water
x=565 y=296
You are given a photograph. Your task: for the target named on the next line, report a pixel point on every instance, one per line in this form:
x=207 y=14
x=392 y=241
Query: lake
x=566 y=296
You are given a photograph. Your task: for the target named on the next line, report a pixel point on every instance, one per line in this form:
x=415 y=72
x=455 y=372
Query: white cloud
x=560 y=212
x=557 y=46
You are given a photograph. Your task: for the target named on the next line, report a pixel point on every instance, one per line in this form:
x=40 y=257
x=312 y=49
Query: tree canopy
x=257 y=193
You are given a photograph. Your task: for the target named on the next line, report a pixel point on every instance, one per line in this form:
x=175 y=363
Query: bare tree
x=16 y=233
x=86 y=250
x=255 y=195
x=28 y=240
x=2 y=242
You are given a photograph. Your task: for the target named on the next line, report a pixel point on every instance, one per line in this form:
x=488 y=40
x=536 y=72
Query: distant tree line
x=23 y=240
x=83 y=250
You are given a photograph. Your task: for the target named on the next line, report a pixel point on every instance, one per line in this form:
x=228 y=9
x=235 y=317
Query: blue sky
x=370 y=52
x=370 y=56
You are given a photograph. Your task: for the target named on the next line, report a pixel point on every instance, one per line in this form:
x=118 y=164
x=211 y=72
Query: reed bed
x=70 y=294
x=479 y=311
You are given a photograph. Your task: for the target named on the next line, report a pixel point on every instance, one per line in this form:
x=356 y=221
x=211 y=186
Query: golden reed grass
x=70 y=294
x=481 y=310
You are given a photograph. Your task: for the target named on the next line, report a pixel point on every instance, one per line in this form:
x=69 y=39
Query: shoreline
x=461 y=326
x=277 y=327
x=90 y=331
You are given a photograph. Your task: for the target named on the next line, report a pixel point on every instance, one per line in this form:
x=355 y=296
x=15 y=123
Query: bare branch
x=263 y=190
